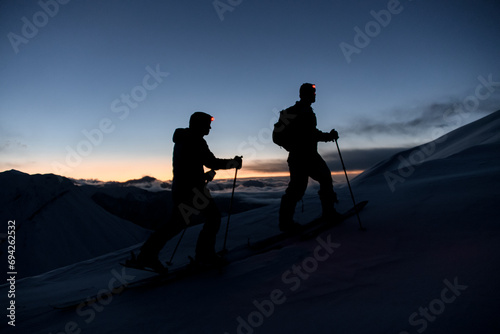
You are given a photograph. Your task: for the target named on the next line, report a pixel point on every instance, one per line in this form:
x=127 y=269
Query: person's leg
x=294 y=192
x=321 y=173
x=205 y=246
x=157 y=240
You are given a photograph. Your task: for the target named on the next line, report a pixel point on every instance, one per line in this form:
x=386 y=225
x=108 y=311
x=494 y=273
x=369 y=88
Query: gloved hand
x=209 y=176
x=334 y=134
x=237 y=162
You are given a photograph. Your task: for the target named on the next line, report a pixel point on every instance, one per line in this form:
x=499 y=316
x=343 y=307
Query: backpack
x=283 y=132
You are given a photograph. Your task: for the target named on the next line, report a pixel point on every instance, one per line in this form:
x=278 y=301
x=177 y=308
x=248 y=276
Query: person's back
x=189 y=154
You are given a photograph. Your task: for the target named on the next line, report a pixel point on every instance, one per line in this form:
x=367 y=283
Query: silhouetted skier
x=304 y=160
x=189 y=193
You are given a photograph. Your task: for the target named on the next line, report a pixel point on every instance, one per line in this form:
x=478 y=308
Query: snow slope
x=484 y=131
x=428 y=263
x=57 y=224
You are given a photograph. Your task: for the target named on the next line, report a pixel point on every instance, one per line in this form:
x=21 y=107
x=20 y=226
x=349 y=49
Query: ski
x=134 y=264
x=321 y=225
x=307 y=230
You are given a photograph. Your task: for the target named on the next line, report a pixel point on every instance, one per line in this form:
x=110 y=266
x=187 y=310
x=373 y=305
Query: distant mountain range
x=61 y=221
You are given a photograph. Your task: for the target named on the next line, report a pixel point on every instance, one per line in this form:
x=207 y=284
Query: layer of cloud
x=361 y=159
x=421 y=120
x=12 y=145
x=147 y=183
x=358 y=159
x=267 y=166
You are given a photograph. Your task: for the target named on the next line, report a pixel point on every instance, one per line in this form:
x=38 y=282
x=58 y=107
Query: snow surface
x=428 y=262
x=57 y=224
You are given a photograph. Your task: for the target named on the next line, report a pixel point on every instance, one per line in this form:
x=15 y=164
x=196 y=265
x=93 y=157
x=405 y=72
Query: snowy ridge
x=57 y=224
x=481 y=132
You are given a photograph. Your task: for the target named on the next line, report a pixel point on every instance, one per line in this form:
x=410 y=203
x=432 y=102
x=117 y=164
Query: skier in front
x=189 y=194
x=304 y=161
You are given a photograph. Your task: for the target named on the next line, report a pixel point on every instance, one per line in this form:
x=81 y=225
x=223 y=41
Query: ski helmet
x=200 y=119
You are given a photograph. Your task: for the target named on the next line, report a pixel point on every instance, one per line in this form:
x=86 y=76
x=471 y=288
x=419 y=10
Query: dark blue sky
x=95 y=89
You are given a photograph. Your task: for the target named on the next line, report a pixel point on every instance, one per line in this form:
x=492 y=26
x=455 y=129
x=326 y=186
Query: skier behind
x=304 y=160
x=190 y=195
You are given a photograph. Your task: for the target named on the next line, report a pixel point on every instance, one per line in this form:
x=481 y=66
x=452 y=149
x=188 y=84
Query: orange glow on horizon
x=122 y=170
x=229 y=174
x=110 y=174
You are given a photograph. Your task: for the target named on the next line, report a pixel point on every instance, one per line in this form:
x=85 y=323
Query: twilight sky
x=95 y=89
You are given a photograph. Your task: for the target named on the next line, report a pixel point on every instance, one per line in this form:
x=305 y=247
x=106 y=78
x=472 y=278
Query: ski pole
x=176 y=246
x=224 y=250
x=350 y=189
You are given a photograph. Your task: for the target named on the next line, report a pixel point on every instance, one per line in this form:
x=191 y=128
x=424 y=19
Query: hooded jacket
x=190 y=154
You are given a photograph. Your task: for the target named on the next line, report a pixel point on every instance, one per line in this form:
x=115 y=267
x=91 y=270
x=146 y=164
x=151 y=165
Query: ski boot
x=145 y=263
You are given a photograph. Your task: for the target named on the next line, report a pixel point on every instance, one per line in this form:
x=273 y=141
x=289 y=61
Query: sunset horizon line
x=241 y=175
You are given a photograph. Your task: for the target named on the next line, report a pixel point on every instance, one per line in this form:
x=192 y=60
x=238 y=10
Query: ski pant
x=186 y=204
x=301 y=168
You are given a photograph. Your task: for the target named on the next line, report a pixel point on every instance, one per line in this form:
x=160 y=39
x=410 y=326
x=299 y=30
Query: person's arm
x=210 y=161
